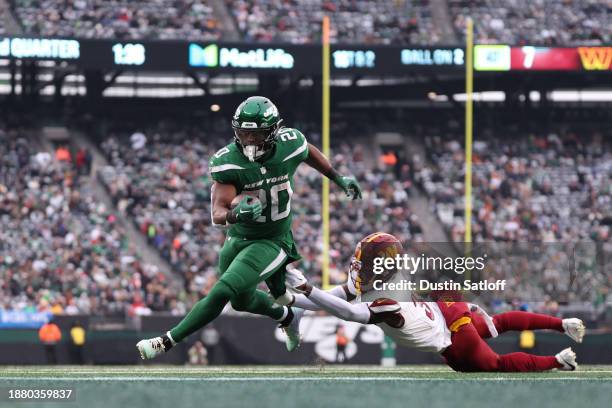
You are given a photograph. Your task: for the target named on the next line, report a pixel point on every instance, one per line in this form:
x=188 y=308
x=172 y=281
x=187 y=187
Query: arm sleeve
x=222 y=168
x=220 y=175
x=303 y=302
x=340 y=308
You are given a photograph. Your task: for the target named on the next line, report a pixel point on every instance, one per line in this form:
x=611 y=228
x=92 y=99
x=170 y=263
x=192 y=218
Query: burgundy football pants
x=469 y=352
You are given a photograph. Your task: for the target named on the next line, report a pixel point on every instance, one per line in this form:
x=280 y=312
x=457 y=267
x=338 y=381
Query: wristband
x=231 y=217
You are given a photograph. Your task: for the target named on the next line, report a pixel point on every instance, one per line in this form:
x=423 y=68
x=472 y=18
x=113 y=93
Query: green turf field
x=309 y=386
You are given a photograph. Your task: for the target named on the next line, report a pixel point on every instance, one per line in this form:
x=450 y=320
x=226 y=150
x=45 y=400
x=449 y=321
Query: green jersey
x=270 y=180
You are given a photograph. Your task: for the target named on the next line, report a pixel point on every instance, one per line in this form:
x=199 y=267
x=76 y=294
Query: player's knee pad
x=286 y=299
x=240 y=303
x=223 y=290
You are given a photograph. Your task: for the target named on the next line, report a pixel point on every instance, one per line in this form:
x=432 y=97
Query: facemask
x=252 y=152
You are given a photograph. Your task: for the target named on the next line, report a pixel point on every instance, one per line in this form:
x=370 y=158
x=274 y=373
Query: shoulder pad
x=293 y=144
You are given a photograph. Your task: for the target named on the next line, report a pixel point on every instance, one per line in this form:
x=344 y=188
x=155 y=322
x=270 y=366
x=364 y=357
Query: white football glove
x=294 y=278
x=474 y=308
x=353 y=281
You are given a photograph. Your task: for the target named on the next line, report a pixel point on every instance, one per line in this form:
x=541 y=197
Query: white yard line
x=342 y=373
x=224 y=372
x=291 y=379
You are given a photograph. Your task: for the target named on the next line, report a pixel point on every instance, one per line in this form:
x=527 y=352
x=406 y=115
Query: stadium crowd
x=541 y=187
x=152 y=19
x=3 y=11
x=546 y=276
x=166 y=189
x=61 y=251
x=551 y=22
x=363 y=22
x=550 y=188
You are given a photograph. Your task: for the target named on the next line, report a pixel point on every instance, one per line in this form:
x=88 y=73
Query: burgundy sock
x=519 y=321
x=523 y=362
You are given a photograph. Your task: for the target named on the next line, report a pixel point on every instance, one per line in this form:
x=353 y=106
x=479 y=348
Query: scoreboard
x=230 y=57
x=532 y=58
x=301 y=59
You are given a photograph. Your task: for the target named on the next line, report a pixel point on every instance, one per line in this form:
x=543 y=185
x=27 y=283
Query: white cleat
x=294 y=339
x=567 y=358
x=574 y=328
x=150 y=348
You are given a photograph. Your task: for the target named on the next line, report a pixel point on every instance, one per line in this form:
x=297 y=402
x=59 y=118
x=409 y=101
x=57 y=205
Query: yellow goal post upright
x=325 y=83
x=469 y=117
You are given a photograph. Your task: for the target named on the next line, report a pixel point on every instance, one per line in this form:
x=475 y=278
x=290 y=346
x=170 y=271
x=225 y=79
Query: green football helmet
x=256 y=124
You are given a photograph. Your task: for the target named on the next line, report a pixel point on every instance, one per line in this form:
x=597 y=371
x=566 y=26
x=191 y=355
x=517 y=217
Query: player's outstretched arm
x=380 y=311
x=301 y=301
x=319 y=162
x=340 y=308
x=295 y=278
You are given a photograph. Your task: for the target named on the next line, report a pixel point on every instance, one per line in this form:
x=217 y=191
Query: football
x=239 y=197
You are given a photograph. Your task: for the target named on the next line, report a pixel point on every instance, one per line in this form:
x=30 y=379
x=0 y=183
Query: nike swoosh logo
x=243 y=212
x=573 y=367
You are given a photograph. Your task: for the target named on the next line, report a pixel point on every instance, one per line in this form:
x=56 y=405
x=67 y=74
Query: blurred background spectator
x=49 y=335
x=198 y=355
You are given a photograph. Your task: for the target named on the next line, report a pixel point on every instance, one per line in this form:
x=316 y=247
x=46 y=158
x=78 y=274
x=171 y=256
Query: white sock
x=285 y=313
x=171 y=339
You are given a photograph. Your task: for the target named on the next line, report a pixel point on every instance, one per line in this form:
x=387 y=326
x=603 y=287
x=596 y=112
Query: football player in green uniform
x=259 y=244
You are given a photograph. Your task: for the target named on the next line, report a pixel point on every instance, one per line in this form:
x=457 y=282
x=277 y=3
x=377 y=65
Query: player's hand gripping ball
x=246 y=208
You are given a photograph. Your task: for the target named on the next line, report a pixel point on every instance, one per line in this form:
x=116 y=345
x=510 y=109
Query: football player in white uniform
x=456 y=330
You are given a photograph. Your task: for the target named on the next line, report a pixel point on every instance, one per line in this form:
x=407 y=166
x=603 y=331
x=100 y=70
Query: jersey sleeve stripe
x=275 y=263
x=457 y=324
x=224 y=167
x=299 y=150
